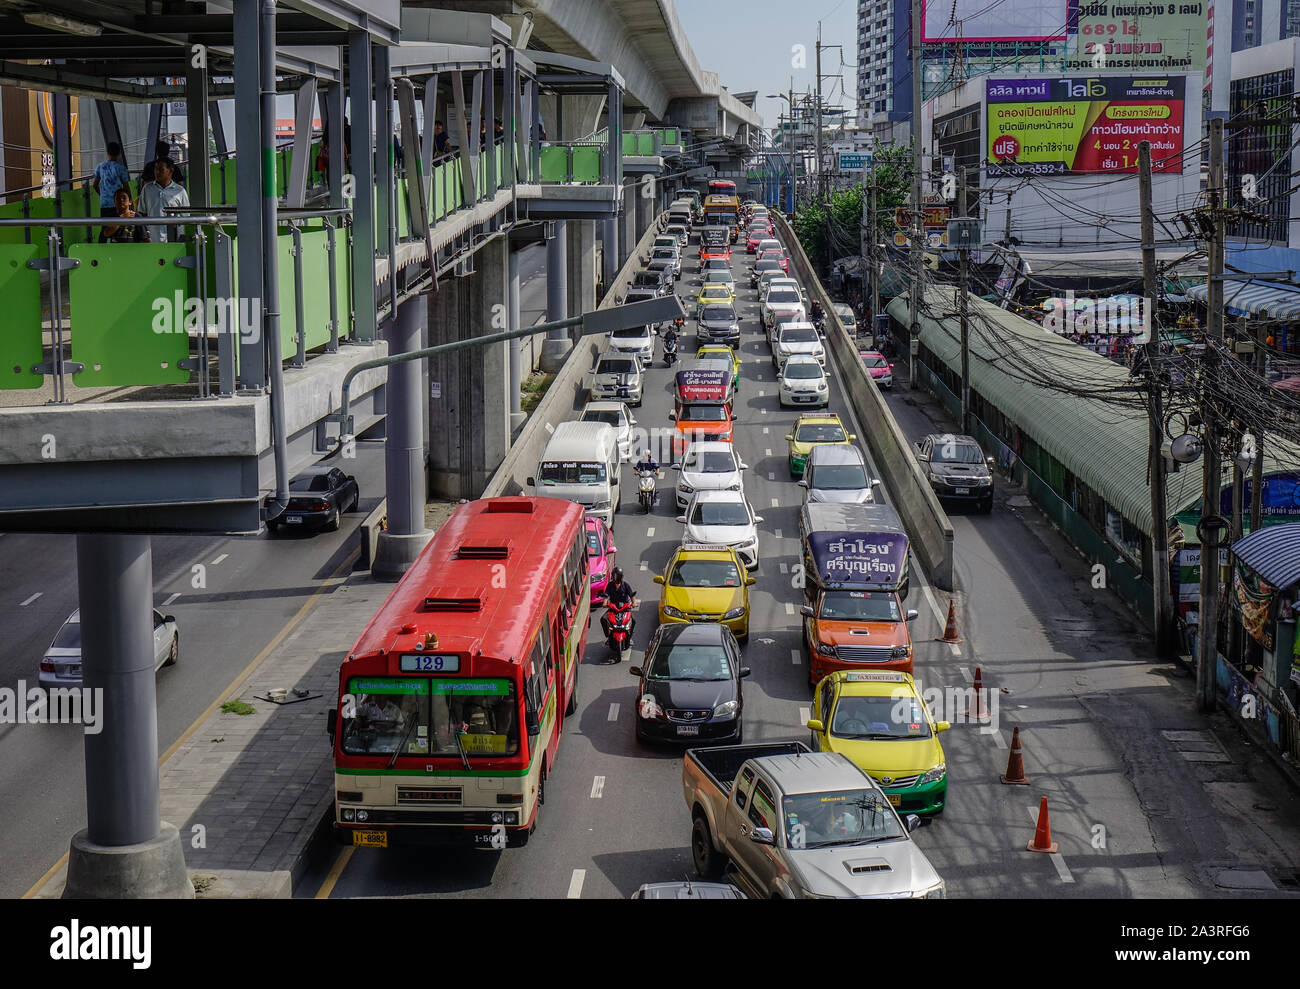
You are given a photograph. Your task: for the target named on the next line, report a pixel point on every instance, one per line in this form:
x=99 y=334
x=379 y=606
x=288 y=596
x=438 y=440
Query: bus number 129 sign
x=430 y=662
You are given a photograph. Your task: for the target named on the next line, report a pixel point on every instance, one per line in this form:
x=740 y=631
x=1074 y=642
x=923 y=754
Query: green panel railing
x=670 y=136
x=646 y=143
x=630 y=144
x=122 y=297
x=20 y=337
x=555 y=163
x=586 y=164
x=503 y=180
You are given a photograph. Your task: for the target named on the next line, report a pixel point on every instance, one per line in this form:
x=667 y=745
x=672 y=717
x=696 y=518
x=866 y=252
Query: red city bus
x=722 y=187
x=447 y=724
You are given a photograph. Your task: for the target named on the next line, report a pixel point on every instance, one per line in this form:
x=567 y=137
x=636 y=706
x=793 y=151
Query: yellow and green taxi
x=721 y=350
x=882 y=724
x=814 y=430
x=706 y=584
x=714 y=295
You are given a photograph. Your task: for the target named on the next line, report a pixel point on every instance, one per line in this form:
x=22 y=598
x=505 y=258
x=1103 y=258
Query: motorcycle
x=621 y=627
x=670 y=349
x=646 y=488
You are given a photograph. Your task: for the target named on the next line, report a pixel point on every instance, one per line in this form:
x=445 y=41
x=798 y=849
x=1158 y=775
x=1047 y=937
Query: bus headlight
x=497 y=818
x=363 y=815
x=348 y=814
x=512 y=817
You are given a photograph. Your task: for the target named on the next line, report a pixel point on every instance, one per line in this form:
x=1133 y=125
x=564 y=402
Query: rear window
x=313 y=482
x=783 y=296
x=68 y=637
x=607 y=416
x=798 y=334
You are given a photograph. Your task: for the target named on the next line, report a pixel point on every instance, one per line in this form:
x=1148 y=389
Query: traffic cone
x=950 y=632
x=977 y=711
x=1015 y=773
x=1043 y=832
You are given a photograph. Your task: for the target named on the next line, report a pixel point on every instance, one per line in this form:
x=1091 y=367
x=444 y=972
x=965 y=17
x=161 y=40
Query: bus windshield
x=569 y=472
x=426 y=716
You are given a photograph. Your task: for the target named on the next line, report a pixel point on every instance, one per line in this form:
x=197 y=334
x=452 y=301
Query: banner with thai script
x=697 y=386
x=1075 y=126
x=859 y=559
x=1140 y=37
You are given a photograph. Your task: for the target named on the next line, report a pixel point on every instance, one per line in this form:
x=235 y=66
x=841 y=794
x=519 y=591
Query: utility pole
x=914 y=316
x=794 y=187
x=963 y=279
x=875 y=273
x=1207 y=652
x=821 y=183
x=1162 y=606
x=1257 y=469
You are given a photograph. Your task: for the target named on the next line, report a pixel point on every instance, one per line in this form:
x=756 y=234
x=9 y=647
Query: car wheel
x=356 y=500
x=175 y=653
x=333 y=524
x=740 y=735
x=709 y=862
x=986 y=506
x=272 y=528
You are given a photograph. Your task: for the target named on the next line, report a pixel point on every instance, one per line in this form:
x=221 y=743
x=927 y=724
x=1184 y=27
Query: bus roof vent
x=454 y=602
x=468 y=551
x=513 y=506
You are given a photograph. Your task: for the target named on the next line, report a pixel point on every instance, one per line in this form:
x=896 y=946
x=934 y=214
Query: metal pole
x=1162 y=606
x=821 y=182
x=914 y=296
x=363 y=171
x=404 y=446
x=794 y=187
x=962 y=293
x=1207 y=658
x=196 y=128
x=875 y=274
x=1257 y=469
x=271 y=258
x=115 y=594
x=512 y=306
x=248 y=196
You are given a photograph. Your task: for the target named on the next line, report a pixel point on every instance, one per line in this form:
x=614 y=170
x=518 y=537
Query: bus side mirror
x=330 y=717
x=530 y=721
x=531 y=482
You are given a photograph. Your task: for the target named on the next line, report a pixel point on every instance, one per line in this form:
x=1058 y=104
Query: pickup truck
x=800 y=824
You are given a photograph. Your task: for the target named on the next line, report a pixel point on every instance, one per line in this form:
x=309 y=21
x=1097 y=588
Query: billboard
x=1123 y=35
x=1025 y=20
x=1079 y=126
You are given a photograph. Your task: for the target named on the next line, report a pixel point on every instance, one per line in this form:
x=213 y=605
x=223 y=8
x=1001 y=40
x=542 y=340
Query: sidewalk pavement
x=252 y=794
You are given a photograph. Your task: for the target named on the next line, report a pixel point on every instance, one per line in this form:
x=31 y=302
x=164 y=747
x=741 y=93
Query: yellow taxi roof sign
x=876 y=677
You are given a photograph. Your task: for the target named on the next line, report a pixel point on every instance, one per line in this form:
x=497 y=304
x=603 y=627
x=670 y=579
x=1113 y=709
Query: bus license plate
x=483 y=837
x=688 y=729
x=895 y=798
x=370 y=839
x=963 y=490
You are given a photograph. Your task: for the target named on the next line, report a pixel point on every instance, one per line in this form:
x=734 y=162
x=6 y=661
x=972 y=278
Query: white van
x=581 y=464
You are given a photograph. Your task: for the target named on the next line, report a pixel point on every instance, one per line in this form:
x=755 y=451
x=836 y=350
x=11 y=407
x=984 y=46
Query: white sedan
x=797 y=338
x=61 y=665
x=722 y=518
x=709 y=465
x=636 y=340
x=803 y=382
x=613 y=414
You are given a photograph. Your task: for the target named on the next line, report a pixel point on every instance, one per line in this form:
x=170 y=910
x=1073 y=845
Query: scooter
x=621 y=627
x=670 y=349
x=646 y=489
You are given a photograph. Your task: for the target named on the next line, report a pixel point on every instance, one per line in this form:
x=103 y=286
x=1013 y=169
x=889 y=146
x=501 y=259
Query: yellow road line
x=336 y=870
x=226 y=694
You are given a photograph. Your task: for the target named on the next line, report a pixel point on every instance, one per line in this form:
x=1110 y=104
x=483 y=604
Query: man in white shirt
x=157 y=195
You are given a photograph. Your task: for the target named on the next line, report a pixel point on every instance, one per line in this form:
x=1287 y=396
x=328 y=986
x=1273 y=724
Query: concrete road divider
x=927 y=524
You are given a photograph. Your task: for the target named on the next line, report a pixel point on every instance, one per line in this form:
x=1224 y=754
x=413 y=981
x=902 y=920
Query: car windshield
x=876 y=362
x=880 y=717
x=704 y=573
x=720 y=513
x=839 y=477
x=842 y=817
x=677 y=662
x=608 y=416
x=711 y=462
x=820 y=432
x=767 y=264
x=569 y=472
x=702 y=413
x=783 y=296
x=956 y=453
x=426 y=716
x=860 y=606
x=846 y=317
x=802 y=370
x=311 y=482
x=718 y=314
x=630 y=333
x=616 y=365
x=798 y=334
x=68 y=637
x=716 y=264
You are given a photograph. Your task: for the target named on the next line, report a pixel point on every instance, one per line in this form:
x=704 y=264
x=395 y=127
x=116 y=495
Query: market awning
x=1255 y=299
x=1273 y=553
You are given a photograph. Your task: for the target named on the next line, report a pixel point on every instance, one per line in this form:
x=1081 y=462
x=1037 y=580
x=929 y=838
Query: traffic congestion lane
x=614 y=816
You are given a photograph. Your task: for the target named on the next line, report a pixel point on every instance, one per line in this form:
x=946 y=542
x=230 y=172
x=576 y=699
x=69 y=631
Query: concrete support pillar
x=582 y=266
x=645 y=207
x=628 y=235
x=488 y=305
x=514 y=347
x=125 y=851
x=406 y=534
x=363 y=170
x=556 y=347
x=609 y=259
x=449 y=447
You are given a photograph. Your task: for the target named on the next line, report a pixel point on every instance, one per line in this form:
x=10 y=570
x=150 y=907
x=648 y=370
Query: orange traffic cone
x=977 y=710
x=1015 y=764
x=950 y=633
x=1043 y=832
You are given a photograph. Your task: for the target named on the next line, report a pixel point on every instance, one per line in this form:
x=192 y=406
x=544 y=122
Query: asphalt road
x=1134 y=815
x=254 y=586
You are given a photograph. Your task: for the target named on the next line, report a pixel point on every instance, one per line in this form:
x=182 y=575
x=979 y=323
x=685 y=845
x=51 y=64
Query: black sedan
x=318 y=498
x=690 y=686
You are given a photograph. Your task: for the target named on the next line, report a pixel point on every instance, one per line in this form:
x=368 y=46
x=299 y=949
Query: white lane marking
x=218 y=559
x=768 y=451
x=789 y=608
x=31 y=599
x=795 y=657
x=613 y=711
x=1057 y=860
x=550 y=428
x=940 y=616
x=762 y=411
x=776 y=503
x=597 y=787
x=765 y=432
x=650 y=532
x=771 y=475
x=785 y=568
x=998 y=740
x=777 y=533
x=171 y=599
x=645 y=565
x=965 y=673
x=575 y=884
x=761 y=393
x=804 y=715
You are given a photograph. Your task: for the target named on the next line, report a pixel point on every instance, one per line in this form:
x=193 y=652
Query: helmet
x=617 y=575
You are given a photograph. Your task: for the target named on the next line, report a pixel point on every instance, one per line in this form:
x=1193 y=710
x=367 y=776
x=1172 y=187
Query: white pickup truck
x=798 y=824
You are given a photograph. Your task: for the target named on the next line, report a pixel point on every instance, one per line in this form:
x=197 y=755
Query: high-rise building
x=884 y=79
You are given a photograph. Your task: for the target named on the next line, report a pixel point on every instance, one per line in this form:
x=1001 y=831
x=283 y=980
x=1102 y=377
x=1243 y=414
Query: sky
x=750 y=45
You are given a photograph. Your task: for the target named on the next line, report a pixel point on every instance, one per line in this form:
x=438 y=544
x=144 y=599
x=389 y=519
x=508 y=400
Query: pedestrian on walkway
x=110 y=175
x=158 y=195
x=126 y=233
